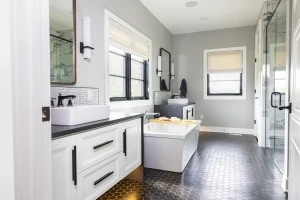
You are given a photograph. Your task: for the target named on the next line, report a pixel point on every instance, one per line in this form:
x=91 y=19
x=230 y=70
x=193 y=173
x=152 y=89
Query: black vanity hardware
x=289 y=107
x=192 y=112
x=158 y=71
x=103 y=144
x=61 y=98
x=82 y=47
x=74 y=167
x=102 y=178
x=124 y=143
x=187 y=113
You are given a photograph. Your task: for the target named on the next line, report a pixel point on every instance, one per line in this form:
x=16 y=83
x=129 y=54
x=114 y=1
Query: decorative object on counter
x=85 y=46
x=183 y=88
x=84 y=96
x=175 y=96
x=164 y=64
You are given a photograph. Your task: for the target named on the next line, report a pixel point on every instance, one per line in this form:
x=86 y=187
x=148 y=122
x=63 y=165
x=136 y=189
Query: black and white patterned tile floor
x=225 y=167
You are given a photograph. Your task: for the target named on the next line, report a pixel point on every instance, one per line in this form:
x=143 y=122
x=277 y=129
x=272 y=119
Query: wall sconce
x=85 y=46
x=172 y=71
x=158 y=70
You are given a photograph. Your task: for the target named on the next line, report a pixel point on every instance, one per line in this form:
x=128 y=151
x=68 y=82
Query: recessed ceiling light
x=204 y=18
x=191 y=4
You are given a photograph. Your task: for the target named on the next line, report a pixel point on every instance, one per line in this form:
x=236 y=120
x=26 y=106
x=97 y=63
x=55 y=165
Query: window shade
x=128 y=41
x=223 y=62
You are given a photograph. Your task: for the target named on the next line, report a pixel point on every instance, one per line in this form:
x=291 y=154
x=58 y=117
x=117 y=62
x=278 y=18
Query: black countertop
x=182 y=105
x=115 y=117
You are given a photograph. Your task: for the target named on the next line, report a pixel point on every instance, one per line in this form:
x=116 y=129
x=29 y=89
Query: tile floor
x=224 y=167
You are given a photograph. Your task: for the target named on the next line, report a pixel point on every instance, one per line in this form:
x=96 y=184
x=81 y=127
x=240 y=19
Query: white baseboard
x=227 y=130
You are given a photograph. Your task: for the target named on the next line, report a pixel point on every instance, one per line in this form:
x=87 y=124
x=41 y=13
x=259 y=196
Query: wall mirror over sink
x=163 y=71
x=62 y=41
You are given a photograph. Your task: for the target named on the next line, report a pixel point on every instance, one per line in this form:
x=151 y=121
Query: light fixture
x=191 y=4
x=172 y=71
x=158 y=70
x=85 y=46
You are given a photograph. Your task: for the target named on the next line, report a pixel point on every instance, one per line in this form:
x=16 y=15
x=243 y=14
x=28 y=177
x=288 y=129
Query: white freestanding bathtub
x=169 y=146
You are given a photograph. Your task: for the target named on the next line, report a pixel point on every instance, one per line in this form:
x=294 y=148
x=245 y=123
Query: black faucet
x=61 y=98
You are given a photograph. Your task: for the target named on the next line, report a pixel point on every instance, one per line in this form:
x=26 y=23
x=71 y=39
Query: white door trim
x=258 y=130
x=7 y=172
x=31 y=91
x=289 y=37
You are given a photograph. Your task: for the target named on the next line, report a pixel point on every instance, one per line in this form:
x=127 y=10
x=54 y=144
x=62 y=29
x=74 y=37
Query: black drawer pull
x=74 y=167
x=102 y=178
x=125 y=143
x=103 y=144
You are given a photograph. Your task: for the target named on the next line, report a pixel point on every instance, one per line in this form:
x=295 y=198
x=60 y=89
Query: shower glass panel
x=276 y=84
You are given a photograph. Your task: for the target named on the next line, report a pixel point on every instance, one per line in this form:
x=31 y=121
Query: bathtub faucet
x=155 y=115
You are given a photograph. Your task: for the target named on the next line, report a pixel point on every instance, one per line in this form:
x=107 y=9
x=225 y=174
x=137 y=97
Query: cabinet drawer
x=95 y=181
x=97 y=145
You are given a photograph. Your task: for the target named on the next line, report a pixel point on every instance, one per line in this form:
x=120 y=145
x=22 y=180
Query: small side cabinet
x=86 y=165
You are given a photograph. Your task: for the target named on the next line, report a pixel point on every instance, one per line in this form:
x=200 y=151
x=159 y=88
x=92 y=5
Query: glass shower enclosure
x=275 y=88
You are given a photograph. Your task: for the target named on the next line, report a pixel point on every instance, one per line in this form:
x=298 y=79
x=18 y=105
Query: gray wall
x=91 y=73
x=188 y=56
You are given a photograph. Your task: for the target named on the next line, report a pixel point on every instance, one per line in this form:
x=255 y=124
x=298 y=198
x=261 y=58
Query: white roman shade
x=225 y=62
x=128 y=40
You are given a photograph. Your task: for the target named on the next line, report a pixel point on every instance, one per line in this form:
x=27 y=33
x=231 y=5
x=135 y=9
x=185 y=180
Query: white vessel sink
x=79 y=114
x=178 y=101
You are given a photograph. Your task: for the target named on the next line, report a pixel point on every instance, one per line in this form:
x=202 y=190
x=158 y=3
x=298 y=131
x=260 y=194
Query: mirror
x=165 y=78
x=62 y=41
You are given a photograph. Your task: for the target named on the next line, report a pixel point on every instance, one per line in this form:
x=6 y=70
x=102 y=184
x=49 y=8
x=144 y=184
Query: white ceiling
x=221 y=14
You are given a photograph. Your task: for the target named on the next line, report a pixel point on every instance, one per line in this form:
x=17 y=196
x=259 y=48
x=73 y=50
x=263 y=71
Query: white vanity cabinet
x=189 y=112
x=87 y=164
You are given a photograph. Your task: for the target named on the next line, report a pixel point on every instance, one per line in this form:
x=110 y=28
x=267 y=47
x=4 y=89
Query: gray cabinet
x=176 y=110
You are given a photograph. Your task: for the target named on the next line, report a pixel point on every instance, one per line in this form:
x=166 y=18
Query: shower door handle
x=275 y=93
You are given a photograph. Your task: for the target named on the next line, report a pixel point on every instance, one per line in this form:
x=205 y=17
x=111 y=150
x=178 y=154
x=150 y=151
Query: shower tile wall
x=84 y=96
x=161 y=97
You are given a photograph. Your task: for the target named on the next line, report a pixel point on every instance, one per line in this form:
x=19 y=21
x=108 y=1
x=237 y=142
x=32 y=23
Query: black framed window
x=128 y=76
x=225 y=84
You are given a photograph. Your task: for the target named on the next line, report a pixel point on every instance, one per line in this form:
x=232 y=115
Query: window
x=224 y=84
x=128 y=76
x=224 y=73
x=128 y=62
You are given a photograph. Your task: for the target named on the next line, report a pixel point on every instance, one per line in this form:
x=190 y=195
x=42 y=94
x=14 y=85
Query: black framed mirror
x=62 y=41
x=165 y=79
